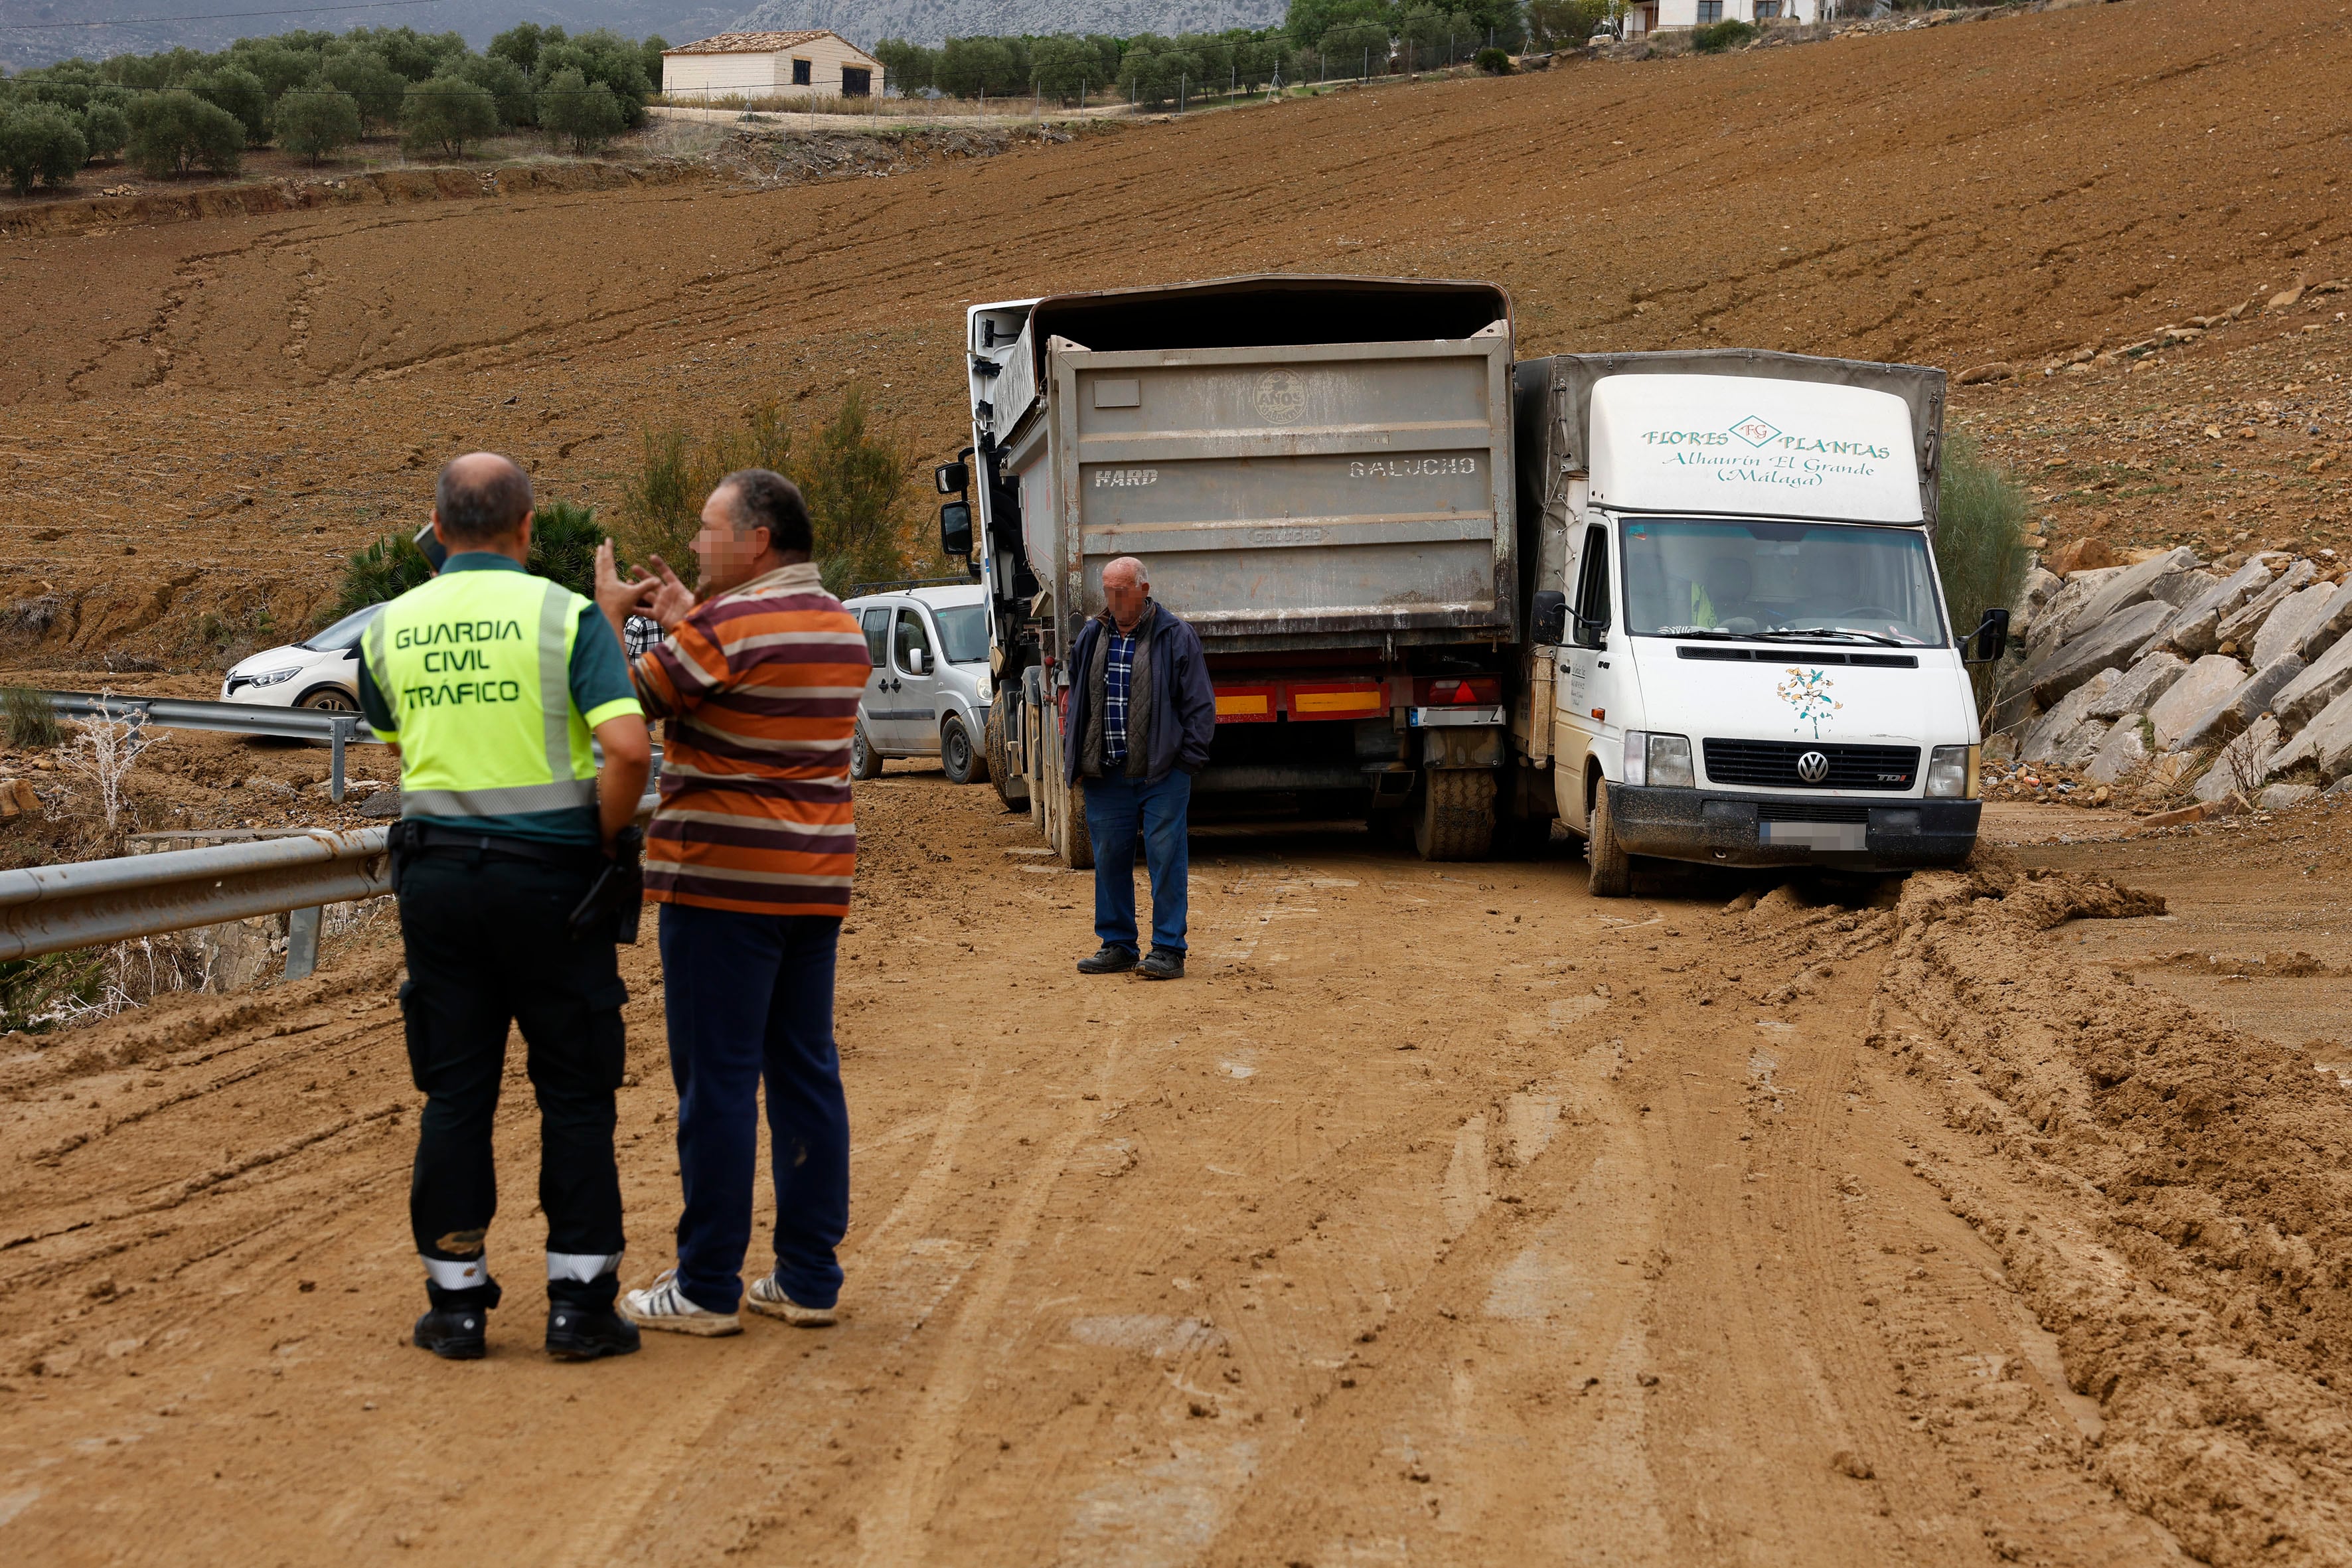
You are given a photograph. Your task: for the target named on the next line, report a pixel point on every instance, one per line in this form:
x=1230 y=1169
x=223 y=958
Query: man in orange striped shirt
x=750 y=856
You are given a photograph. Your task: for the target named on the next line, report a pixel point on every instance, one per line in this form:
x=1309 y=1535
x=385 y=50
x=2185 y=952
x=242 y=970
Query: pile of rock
x=2165 y=673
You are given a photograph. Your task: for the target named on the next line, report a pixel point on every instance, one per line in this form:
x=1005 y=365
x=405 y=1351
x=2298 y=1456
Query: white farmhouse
x=1658 y=15
x=771 y=65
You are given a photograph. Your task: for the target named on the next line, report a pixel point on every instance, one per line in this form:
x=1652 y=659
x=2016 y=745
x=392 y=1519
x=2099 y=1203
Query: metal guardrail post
x=335 y=768
x=302 y=941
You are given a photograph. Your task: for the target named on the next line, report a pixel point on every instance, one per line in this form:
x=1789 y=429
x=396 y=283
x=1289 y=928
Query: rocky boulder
x=2103 y=645
x=2053 y=624
x=2241 y=764
x=2193 y=699
x=2196 y=631
x=2240 y=628
x=2324 y=745
x=2299 y=615
x=2122 y=752
x=2326 y=628
x=2300 y=700
x=2137 y=687
x=2036 y=592
x=2047 y=734
x=2133 y=585
x=2286 y=796
x=2250 y=701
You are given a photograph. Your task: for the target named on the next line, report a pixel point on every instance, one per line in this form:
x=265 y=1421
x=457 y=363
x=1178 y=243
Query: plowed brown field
x=1442 y=1214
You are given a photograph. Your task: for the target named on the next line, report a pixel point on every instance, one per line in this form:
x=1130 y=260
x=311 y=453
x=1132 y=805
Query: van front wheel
x=959 y=758
x=1612 y=870
x=865 y=761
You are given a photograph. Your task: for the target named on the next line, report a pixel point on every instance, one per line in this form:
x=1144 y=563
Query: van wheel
x=997 y=740
x=1611 y=869
x=865 y=761
x=1456 y=819
x=962 y=764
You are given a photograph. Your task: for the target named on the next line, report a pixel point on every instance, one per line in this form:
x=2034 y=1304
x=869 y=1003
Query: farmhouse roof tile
x=752 y=43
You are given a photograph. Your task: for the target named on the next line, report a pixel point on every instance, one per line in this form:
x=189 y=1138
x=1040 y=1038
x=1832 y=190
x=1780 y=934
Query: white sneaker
x=662 y=1305
x=767 y=1296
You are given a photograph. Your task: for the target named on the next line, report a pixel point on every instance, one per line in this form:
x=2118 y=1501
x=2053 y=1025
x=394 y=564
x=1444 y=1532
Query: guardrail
x=87 y=903
x=337 y=730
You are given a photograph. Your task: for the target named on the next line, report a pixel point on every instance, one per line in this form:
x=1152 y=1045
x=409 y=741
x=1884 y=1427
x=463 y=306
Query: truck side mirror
x=952 y=478
x=1548 y=621
x=1991 y=637
x=955 y=529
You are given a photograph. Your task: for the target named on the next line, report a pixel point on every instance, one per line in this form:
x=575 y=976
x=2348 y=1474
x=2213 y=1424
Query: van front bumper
x=1719 y=829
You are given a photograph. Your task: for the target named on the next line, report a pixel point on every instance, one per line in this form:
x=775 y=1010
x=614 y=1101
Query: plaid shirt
x=1119 y=674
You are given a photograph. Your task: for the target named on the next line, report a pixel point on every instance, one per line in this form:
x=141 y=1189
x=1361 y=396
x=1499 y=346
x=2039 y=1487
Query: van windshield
x=1795 y=581
x=964 y=633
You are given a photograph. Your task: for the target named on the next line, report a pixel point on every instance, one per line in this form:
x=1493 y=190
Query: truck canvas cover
x=1553 y=400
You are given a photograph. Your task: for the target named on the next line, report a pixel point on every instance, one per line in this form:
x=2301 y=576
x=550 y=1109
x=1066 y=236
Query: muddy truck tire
x=1456 y=816
x=997 y=746
x=1611 y=869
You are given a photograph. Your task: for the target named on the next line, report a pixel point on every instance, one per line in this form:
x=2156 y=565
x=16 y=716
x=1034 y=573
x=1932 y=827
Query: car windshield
x=345 y=633
x=964 y=633
x=1780 y=580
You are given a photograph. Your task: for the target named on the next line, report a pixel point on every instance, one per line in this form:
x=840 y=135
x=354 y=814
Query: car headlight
x=1952 y=773
x=274 y=676
x=1662 y=761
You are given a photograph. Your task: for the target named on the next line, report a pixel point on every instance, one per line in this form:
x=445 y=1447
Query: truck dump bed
x=1301 y=463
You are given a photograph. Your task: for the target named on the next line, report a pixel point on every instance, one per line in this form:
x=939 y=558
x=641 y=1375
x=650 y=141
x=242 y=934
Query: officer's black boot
x=580 y=1323
x=457 y=1327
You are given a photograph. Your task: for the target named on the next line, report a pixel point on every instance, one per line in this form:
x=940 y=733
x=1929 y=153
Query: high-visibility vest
x=477 y=668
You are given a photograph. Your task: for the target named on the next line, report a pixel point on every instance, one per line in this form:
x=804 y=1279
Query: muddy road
x=1443 y=1215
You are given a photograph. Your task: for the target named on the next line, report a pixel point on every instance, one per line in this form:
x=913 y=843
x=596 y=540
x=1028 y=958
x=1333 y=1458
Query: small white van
x=1740 y=653
x=927 y=694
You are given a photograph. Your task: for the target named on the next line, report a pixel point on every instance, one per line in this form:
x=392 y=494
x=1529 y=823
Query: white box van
x=1739 y=649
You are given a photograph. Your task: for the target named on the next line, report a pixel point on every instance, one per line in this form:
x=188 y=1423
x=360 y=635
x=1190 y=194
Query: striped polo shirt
x=761 y=687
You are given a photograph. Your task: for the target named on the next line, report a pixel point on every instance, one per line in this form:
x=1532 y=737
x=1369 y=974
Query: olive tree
x=572 y=109
x=173 y=131
x=241 y=93
x=372 y=81
x=445 y=112
x=315 y=121
x=106 y=129
x=40 y=141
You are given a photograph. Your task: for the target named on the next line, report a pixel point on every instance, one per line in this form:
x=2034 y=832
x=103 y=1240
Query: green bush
x=509 y=87
x=27 y=718
x=40 y=141
x=571 y=110
x=384 y=570
x=564 y=540
x=370 y=80
x=106 y=129
x=606 y=57
x=1494 y=63
x=1979 y=541
x=33 y=989
x=173 y=132
x=1718 y=37
x=443 y=113
x=315 y=121
x=856 y=482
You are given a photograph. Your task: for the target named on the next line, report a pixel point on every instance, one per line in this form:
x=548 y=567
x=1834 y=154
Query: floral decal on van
x=1808 y=691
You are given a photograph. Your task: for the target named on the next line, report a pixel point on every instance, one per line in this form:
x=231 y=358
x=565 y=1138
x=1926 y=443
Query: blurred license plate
x=1813 y=835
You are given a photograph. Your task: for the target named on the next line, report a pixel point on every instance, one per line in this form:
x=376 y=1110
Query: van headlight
x=1660 y=761
x=274 y=676
x=1952 y=773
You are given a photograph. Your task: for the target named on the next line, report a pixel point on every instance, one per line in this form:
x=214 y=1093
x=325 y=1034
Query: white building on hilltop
x=1660 y=16
x=770 y=65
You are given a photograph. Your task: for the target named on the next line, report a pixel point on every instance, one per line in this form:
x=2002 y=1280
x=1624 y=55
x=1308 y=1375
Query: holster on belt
x=400 y=847
x=618 y=893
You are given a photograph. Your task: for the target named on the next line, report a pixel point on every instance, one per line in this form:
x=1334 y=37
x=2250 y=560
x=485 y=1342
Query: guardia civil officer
x=514 y=860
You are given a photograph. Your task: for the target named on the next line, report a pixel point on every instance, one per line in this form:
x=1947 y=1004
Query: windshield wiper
x=1832 y=632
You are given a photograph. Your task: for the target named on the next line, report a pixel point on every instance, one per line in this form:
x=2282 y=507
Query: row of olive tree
x=314 y=93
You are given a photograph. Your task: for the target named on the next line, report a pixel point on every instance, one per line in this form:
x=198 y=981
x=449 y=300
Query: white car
x=927 y=695
x=322 y=672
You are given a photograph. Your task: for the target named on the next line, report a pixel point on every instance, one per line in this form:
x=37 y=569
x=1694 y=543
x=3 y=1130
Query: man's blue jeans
x=751 y=997
x=1115 y=809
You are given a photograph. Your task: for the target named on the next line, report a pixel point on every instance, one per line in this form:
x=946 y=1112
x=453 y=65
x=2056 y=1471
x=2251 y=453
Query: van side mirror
x=919 y=661
x=955 y=529
x=952 y=478
x=1549 y=622
x=1991 y=637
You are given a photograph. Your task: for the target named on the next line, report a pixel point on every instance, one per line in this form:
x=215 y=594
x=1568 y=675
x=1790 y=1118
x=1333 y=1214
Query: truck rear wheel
x=1063 y=806
x=1611 y=869
x=1456 y=819
x=996 y=741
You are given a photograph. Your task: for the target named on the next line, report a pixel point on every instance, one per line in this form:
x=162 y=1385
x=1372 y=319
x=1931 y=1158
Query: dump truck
x=1738 y=651
x=1316 y=475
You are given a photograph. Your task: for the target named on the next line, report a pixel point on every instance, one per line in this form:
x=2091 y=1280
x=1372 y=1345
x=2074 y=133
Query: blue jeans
x=751 y=997
x=1114 y=807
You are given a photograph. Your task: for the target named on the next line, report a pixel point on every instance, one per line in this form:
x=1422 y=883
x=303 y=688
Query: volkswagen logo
x=1814 y=768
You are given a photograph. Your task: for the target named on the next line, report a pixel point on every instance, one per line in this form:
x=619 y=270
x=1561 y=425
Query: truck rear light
x=1459 y=692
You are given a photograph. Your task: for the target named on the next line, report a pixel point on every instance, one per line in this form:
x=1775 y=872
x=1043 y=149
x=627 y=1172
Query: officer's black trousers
x=487 y=944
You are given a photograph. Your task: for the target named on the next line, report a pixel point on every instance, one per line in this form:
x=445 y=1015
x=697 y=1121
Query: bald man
x=1140 y=716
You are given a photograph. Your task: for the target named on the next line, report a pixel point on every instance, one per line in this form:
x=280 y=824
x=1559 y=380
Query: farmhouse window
x=1710 y=10
x=855 y=83
x=1768 y=10
x=801 y=67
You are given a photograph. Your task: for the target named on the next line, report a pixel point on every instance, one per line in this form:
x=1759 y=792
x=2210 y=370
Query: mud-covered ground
x=1440 y=1215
